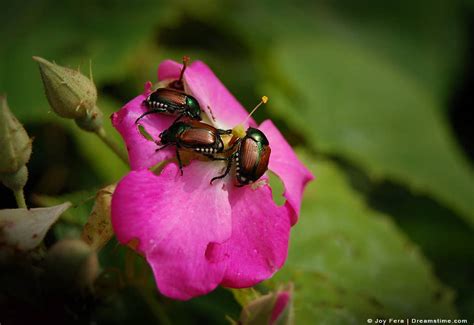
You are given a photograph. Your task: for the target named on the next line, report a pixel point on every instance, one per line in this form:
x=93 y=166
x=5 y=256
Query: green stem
x=20 y=199
x=112 y=145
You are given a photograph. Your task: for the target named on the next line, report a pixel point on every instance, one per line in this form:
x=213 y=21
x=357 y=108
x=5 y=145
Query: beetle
x=172 y=102
x=194 y=136
x=251 y=156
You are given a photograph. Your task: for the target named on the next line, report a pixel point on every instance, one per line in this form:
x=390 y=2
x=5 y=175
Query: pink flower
x=194 y=235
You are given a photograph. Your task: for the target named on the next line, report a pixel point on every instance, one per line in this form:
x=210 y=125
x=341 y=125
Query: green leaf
x=348 y=101
x=444 y=239
x=425 y=39
x=430 y=52
x=350 y=263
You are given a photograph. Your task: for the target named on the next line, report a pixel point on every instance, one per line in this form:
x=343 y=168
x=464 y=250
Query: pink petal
x=285 y=163
x=203 y=84
x=260 y=234
x=169 y=69
x=177 y=220
x=141 y=152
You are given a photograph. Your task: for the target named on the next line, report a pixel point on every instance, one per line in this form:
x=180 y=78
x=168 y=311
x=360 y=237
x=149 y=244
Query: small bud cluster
x=15 y=149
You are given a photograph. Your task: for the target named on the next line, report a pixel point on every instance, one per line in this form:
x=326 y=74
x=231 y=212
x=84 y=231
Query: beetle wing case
x=198 y=137
x=171 y=95
x=248 y=155
x=263 y=163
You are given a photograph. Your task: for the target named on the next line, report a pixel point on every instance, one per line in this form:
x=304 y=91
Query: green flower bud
x=273 y=308
x=70 y=93
x=15 y=145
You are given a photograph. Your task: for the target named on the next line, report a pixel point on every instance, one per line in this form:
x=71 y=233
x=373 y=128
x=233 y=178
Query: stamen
x=185 y=65
x=239 y=129
x=178 y=84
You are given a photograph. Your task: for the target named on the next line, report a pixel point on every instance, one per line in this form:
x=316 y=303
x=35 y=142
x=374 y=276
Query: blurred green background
x=376 y=97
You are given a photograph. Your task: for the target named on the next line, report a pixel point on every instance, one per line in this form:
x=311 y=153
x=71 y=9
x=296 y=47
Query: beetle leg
x=145 y=114
x=180 y=164
x=178 y=118
x=162 y=147
x=227 y=169
x=232 y=147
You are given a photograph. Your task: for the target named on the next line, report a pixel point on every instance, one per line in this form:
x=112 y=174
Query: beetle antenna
x=239 y=130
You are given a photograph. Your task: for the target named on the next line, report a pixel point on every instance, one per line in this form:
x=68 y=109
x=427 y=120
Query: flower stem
x=112 y=145
x=20 y=199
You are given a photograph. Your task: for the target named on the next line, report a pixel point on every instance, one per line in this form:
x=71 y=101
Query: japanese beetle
x=251 y=157
x=172 y=100
x=195 y=136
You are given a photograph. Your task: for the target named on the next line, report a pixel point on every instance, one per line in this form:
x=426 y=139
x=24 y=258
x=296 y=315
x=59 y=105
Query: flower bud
x=15 y=148
x=272 y=308
x=70 y=93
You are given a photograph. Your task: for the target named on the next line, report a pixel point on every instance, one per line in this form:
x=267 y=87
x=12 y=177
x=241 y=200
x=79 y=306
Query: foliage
x=362 y=88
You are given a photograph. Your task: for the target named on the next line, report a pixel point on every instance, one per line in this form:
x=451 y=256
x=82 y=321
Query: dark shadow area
x=55 y=167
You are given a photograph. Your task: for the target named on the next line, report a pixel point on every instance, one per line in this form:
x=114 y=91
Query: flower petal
x=260 y=235
x=177 y=220
x=169 y=69
x=203 y=84
x=285 y=163
x=142 y=152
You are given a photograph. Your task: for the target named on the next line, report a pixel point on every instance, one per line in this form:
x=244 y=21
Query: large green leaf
x=444 y=239
x=424 y=38
x=350 y=263
x=348 y=101
x=368 y=83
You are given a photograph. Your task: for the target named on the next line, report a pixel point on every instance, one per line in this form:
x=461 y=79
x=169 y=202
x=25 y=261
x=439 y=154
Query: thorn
x=91 y=77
